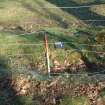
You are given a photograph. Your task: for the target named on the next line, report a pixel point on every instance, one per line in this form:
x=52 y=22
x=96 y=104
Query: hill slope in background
x=22 y=57
x=61 y=24
x=30 y=15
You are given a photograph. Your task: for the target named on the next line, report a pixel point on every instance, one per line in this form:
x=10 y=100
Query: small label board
x=59 y=45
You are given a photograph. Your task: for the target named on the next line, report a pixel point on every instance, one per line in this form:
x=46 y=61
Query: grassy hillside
x=30 y=15
x=27 y=52
x=18 y=16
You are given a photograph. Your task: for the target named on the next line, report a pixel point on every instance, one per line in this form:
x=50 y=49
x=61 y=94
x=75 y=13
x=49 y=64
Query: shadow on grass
x=81 y=13
x=48 y=13
x=7 y=93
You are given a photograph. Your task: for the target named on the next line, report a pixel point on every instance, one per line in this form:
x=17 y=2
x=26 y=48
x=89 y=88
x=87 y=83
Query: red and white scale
x=47 y=54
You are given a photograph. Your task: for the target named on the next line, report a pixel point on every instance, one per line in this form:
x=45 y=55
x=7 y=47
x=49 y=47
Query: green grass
x=18 y=100
x=24 y=100
x=75 y=101
x=60 y=24
x=29 y=15
x=38 y=51
x=99 y=9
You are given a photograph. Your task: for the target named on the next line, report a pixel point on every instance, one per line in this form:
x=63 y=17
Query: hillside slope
x=23 y=59
x=30 y=15
x=61 y=24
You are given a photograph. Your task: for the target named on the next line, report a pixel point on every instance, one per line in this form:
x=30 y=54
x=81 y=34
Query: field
x=23 y=68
